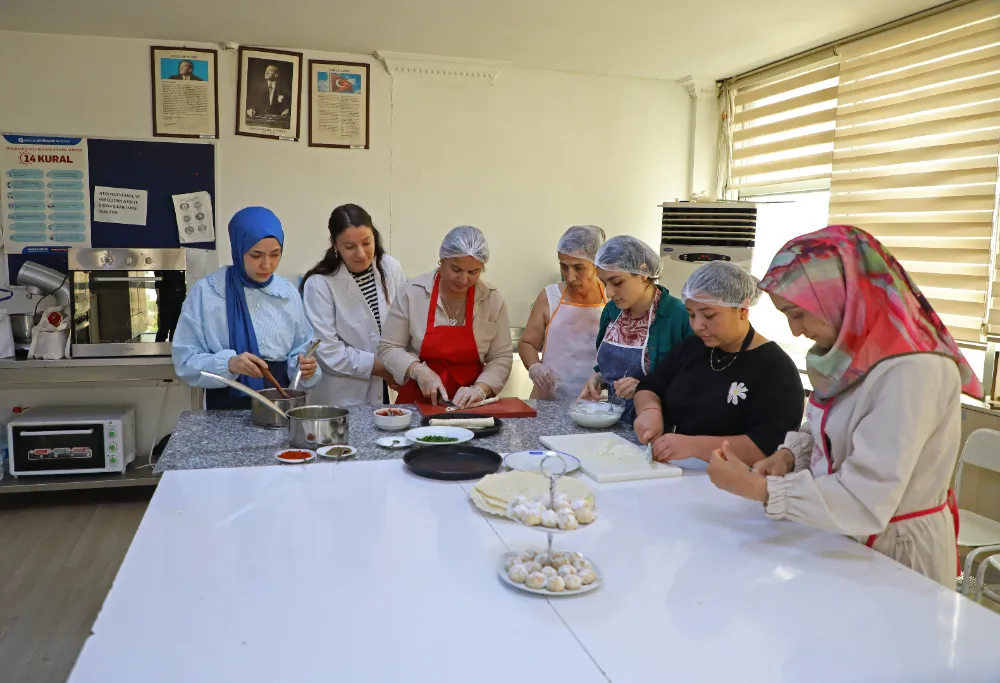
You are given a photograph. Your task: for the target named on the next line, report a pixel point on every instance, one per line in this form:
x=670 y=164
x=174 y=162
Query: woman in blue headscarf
x=243 y=318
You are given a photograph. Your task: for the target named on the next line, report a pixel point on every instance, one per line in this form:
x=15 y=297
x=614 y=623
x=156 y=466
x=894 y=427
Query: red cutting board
x=504 y=408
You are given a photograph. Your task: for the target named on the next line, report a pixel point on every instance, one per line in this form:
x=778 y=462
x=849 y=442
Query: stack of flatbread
x=494 y=492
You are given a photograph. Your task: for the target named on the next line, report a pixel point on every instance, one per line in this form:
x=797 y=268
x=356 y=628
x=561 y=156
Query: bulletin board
x=160 y=168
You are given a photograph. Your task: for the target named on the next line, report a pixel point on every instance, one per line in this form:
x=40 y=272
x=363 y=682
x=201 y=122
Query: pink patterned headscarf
x=846 y=277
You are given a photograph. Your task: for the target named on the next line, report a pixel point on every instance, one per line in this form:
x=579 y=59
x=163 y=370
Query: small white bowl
x=331 y=452
x=595 y=414
x=312 y=456
x=393 y=423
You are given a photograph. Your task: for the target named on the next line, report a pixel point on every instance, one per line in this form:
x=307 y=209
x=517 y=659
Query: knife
x=649 y=453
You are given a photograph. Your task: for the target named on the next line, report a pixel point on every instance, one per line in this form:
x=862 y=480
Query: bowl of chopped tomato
x=393 y=419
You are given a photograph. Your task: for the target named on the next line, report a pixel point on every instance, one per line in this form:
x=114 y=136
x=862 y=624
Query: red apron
x=449 y=351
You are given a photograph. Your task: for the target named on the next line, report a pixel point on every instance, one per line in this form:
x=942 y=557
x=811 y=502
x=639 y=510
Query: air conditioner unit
x=698 y=232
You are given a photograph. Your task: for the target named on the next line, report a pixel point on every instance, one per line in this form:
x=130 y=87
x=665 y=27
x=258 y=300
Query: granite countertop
x=227 y=438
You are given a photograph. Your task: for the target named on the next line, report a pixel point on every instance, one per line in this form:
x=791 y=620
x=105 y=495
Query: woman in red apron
x=875 y=456
x=447 y=336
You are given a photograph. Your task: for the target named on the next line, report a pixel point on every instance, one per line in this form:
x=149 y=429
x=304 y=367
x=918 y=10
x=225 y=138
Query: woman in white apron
x=639 y=325
x=564 y=320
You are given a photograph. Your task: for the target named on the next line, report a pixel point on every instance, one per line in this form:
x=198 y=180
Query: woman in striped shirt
x=347 y=297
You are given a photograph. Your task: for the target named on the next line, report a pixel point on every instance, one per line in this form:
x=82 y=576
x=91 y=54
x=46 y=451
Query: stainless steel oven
x=126 y=302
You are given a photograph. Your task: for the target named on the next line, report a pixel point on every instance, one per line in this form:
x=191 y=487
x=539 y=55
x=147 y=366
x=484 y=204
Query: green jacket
x=670 y=326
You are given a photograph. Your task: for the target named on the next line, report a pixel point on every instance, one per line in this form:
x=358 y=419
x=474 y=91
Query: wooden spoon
x=270 y=378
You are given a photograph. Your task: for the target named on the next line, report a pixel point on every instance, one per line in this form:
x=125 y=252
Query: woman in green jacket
x=640 y=323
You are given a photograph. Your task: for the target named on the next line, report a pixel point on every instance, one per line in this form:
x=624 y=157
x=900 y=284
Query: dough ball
x=573 y=582
x=549 y=571
x=526 y=556
x=542 y=558
x=519 y=500
x=531 y=519
x=578 y=503
x=550 y=519
x=533 y=567
x=585 y=515
x=518 y=511
x=511 y=561
x=566 y=570
x=582 y=564
x=567 y=522
x=535 y=580
x=517 y=573
x=561 y=561
x=556 y=584
x=561 y=500
x=587 y=576
x=574 y=556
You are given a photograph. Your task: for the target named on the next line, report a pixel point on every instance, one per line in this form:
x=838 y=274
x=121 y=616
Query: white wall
x=523 y=159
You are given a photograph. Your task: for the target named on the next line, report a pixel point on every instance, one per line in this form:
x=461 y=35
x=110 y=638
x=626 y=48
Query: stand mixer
x=35 y=282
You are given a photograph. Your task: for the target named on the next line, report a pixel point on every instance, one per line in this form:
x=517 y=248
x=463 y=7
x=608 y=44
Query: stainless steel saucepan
x=308 y=426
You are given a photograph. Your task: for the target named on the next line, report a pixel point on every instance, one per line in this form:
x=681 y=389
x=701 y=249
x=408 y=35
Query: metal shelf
x=132 y=477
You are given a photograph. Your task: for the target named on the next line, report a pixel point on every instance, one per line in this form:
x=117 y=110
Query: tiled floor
x=58 y=557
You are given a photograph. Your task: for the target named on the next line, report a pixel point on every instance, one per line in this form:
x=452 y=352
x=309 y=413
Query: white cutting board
x=588 y=448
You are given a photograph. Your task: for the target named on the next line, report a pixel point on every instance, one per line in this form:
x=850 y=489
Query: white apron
x=570 y=348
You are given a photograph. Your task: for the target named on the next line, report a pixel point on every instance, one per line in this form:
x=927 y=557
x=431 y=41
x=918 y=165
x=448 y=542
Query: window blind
x=915 y=154
x=782 y=128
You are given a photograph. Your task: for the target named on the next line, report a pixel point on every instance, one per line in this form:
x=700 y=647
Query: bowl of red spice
x=294 y=456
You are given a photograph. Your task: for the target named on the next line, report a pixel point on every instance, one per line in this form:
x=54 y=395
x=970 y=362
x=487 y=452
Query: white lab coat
x=893 y=443
x=348 y=333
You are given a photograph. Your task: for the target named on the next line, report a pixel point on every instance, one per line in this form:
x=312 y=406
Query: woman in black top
x=726 y=383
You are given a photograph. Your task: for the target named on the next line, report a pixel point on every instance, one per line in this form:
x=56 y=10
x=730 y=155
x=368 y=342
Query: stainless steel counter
x=73 y=370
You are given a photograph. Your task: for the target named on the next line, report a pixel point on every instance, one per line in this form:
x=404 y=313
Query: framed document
x=268 y=93
x=185 y=88
x=338 y=104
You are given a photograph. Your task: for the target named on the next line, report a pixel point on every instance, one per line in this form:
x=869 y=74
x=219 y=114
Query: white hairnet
x=465 y=240
x=721 y=283
x=629 y=255
x=581 y=241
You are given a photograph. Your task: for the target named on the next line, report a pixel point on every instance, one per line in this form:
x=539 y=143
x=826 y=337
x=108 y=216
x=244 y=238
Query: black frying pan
x=452 y=463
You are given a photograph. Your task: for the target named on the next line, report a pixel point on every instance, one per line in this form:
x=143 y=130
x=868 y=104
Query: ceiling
x=666 y=39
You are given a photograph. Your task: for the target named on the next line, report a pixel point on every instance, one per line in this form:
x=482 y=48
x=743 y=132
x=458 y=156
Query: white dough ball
x=573 y=582
x=587 y=576
x=518 y=511
x=556 y=584
x=578 y=503
x=567 y=522
x=520 y=500
x=542 y=558
x=566 y=570
x=531 y=519
x=533 y=567
x=581 y=564
x=574 y=556
x=549 y=571
x=585 y=515
x=526 y=556
x=561 y=561
x=535 y=580
x=550 y=519
x=517 y=573
x=511 y=561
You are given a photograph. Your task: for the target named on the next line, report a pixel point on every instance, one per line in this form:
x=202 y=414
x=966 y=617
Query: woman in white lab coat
x=347 y=297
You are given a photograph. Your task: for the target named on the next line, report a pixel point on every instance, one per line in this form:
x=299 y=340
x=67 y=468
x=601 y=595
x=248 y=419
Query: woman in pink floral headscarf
x=875 y=455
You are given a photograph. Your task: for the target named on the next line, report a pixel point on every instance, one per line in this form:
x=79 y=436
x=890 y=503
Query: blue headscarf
x=247 y=227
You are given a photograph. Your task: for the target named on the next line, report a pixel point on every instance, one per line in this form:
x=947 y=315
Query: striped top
x=366 y=281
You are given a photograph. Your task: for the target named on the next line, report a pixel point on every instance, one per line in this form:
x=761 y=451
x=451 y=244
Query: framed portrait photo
x=185 y=84
x=338 y=104
x=268 y=93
